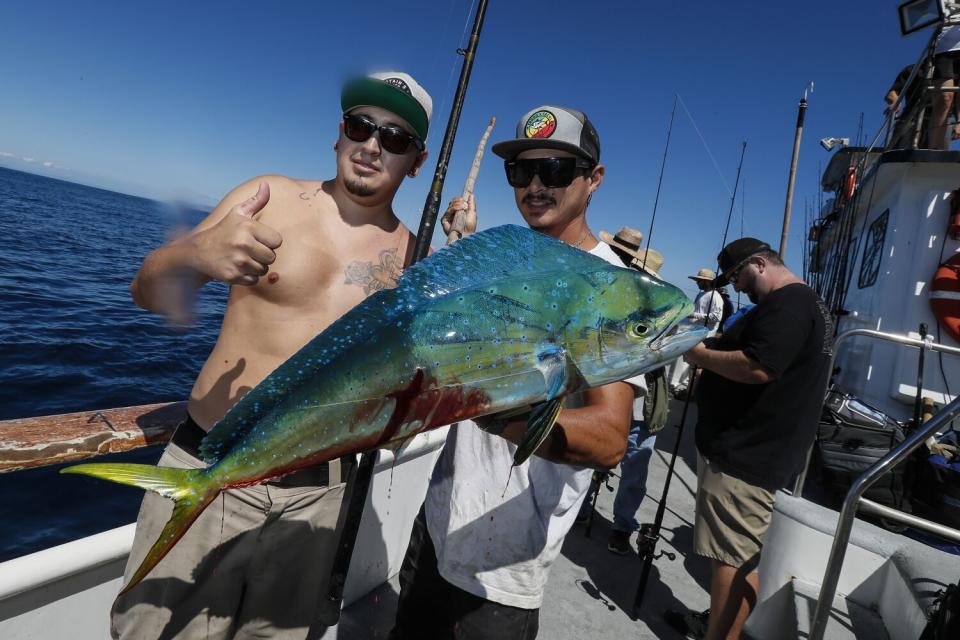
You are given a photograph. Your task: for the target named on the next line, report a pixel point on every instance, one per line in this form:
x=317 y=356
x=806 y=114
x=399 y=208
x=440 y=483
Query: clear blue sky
x=187 y=99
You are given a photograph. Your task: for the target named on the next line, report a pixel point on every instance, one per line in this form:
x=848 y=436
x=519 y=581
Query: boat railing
x=854 y=499
x=927 y=343
x=27 y=443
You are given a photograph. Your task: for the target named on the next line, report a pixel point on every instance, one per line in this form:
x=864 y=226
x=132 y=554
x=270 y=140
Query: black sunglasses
x=393 y=138
x=554 y=173
x=736 y=271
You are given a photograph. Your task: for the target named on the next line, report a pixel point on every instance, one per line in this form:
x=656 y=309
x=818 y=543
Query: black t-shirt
x=760 y=433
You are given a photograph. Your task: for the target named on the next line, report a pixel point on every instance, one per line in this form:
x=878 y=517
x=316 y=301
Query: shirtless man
x=298 y=254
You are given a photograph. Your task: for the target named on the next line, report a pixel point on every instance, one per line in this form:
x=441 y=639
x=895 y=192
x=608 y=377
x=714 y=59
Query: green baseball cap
x=394 y=91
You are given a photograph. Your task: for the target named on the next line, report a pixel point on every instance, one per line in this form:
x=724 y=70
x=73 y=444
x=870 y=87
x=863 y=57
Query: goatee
x=358 y=188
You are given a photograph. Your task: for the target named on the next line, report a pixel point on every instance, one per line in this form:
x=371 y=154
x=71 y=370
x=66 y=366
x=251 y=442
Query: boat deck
x=590 y=592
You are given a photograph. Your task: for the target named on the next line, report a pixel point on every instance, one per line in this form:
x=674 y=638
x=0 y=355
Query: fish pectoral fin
x=543 y=416
x=552 y=363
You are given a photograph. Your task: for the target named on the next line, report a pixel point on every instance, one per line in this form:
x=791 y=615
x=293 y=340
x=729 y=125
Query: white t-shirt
x=497 y=529
x=709 y=305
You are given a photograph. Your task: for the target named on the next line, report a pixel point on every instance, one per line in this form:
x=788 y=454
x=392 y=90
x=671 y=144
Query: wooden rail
x=37 y=442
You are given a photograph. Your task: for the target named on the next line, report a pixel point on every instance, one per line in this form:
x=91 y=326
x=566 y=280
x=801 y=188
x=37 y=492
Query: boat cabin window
x=873 y=251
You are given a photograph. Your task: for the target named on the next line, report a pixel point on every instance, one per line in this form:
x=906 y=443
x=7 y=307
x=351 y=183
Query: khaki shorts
x=731 y=519
x=255 y=564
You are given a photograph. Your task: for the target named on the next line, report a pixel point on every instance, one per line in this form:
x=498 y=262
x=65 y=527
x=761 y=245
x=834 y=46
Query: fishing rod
x=650 y=532
x=663 y=166
x=359 y=475
x=602 y=479
x=432 y=206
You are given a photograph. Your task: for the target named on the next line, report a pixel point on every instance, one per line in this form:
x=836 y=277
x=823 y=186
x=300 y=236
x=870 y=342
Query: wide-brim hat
x=627 y=240
x=735 y=253
x=649 y=260
x=394 y=91
x=707 y=275
x=552 y=127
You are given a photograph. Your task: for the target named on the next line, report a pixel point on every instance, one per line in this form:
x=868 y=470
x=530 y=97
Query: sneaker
x=691 y=624
x=619 y=543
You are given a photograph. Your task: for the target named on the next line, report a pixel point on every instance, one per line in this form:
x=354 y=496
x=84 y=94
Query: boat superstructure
x=872 y=254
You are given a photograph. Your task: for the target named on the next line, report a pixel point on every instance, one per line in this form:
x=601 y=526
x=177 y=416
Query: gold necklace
x=585 y=234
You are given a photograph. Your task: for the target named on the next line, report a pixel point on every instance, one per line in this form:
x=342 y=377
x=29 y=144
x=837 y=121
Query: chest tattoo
x=310 y=196
x=374 y=277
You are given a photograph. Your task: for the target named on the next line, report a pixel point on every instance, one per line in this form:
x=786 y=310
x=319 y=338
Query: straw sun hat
x=628 y=240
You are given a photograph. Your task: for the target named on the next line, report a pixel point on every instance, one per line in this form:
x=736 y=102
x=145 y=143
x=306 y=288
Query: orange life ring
x=945 y=296
x=849 y=184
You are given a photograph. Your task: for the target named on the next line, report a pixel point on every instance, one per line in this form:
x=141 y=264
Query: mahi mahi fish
x=503 y=319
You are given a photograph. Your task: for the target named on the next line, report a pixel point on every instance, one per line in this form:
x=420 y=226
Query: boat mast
x=801 y=112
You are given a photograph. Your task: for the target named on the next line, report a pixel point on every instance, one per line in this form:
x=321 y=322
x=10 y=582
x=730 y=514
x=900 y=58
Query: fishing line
x=446 y=27
x=453 y=67
x=650 y=532
x=733 y=196
x=663 y=166
x=705 y=145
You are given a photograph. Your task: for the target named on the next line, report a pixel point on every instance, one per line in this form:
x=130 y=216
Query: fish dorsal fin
x=500 y=252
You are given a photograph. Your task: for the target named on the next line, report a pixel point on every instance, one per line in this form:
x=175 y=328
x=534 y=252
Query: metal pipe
x=918 y=523
x=801 y=113
x=358 y=484
x=879 y=335
x=828 y=586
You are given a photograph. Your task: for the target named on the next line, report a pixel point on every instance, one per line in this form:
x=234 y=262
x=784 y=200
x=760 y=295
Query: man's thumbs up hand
x=239 y=249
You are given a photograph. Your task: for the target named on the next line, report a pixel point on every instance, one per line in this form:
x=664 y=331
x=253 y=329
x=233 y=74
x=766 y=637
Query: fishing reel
x=647 y=542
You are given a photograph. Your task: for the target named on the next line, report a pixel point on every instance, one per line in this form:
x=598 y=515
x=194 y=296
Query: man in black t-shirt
x=758 y=399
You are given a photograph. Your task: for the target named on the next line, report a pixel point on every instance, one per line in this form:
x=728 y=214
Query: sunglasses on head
x=554 y=173
x=392 y=138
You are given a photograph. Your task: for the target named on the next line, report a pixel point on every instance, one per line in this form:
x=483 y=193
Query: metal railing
x=854 y=498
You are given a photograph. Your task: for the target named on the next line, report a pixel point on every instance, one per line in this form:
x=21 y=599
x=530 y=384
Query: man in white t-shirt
x=483 y=544
x=707 y=310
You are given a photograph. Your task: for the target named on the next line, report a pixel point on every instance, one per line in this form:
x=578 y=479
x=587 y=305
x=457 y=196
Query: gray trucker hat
x=553 y=127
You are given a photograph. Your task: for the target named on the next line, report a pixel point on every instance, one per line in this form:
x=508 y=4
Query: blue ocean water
x=71 y=339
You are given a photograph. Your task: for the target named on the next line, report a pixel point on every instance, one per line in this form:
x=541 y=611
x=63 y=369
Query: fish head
x=642 y=325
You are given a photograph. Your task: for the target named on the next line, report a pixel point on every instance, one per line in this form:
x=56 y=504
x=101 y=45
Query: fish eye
x=640 y=329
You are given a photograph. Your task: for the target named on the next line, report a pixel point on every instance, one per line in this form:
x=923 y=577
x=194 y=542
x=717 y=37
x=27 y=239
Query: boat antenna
x=801 y=113
x=359 y=475
x=650 y=532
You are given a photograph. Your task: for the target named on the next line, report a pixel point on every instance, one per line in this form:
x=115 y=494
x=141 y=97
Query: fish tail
x=190 y=489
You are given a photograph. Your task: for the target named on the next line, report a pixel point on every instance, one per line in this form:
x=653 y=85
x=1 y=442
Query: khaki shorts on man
x=732 y=517
x=241 y=541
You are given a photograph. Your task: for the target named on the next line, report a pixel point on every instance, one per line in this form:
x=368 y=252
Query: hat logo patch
x=541 y=124
x=399 y=84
